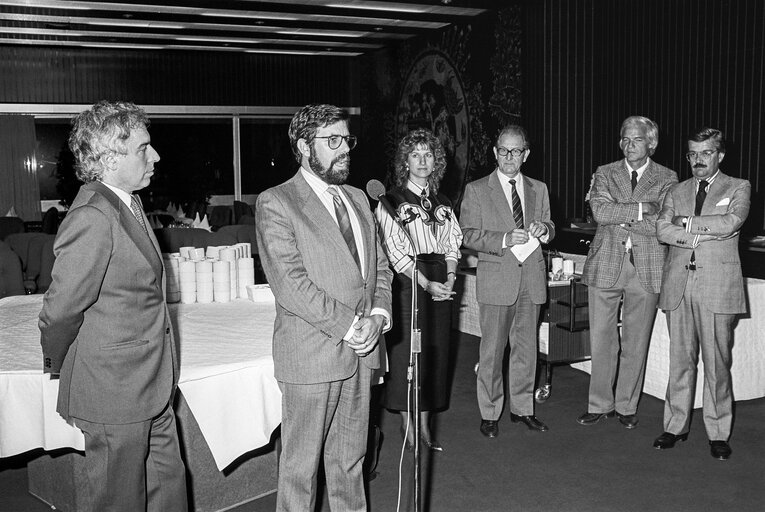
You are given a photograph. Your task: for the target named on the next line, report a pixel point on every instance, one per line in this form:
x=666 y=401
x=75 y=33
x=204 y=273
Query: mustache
x=699 y=166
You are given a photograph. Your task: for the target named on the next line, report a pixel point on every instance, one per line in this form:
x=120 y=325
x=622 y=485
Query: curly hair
x=306 y=120
x=101 y=130
x=419 y=137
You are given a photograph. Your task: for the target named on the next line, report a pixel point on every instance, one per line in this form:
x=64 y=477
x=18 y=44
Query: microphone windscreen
x=375 y=189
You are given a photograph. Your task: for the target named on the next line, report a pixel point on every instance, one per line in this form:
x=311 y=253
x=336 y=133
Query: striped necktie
x=136 y=208
x=517 y=210
x=344 y=222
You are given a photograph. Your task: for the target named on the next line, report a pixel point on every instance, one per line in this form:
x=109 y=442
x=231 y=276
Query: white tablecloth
x=227 y=377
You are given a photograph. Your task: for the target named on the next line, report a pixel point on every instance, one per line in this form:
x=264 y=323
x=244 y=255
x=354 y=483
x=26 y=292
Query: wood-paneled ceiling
x=302 y=27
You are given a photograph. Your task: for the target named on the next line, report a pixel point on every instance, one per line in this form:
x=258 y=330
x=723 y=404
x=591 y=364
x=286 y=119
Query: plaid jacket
x=615 y=209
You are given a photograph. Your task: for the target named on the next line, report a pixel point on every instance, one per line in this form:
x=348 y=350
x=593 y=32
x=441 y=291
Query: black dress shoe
x=530 y=421
x=720 y=450
x=629 y=421
x=591 y=418
x=667 y=440
x=489 y=428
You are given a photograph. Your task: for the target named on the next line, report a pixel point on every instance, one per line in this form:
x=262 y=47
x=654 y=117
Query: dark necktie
x=136 y=208
x=344 y=221
x=634 y=180
x=700 y=196
x=517 y=210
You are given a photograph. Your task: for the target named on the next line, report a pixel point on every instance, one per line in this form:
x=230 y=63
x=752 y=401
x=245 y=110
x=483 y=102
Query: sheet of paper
x=522 y=251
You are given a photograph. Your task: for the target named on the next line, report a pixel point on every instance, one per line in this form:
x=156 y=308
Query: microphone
x=376 y=191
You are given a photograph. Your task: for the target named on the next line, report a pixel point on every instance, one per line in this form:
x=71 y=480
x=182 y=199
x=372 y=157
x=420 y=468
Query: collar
x=504 y=180
x=317 y=184
x=640 y=169
x=708 y=180
x=124 y=196
x=414 y=187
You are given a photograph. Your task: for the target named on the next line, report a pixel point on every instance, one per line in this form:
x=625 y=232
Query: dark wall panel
x=54 y=75
x=684 y=63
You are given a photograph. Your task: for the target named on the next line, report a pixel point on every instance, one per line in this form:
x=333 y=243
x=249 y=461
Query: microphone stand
x=413 y=374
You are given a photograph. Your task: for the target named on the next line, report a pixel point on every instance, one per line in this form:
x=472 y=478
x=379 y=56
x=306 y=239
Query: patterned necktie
x=634 y=180
x=344 y=221
x=136 y=207
x=517 y=210
x=700 y=196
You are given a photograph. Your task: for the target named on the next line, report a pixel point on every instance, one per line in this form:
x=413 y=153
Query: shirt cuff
x=640 y=211
x=349 y=334
x=381 y=311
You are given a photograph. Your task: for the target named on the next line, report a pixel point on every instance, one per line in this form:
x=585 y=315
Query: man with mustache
x=105 y=325
x=319 y=249
x=703 y=290
x=623 y=270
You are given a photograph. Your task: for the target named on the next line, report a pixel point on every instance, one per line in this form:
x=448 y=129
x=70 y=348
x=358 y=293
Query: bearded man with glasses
x=504 y=217
x=318 y=244
x=623 y=270
x=703 y=290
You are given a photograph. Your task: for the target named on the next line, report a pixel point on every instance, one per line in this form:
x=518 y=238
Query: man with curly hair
x=105 y=326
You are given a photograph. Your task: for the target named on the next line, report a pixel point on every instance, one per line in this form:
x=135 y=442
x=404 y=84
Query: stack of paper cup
x=185 y=252
x=222 y=281
x=188 y=281
x=246 y=249
x=229 y=254
x=197 y=254
x=204 y=270
x=568 y=267
x=557 y=265
x=172 y=278
x=246 y=269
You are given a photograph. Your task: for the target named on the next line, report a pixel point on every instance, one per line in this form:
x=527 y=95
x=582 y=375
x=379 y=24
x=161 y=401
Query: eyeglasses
x=335 y=141
x=701 y=155
x=516 y=152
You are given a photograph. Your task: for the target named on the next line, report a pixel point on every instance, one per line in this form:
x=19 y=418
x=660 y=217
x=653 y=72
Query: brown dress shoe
x=489 y=428
x=668 y=440
x=720 y=450
x=530 y=421
x=591 y=418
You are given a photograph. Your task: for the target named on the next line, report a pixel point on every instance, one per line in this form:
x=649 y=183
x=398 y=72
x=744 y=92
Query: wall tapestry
x=433 y=97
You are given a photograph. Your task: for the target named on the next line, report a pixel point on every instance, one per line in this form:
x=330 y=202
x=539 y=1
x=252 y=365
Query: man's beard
x=330 y=175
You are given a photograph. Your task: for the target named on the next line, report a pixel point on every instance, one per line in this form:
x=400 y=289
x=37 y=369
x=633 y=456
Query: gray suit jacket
x=104 y=323
x=486 y=217
x=615 y=209
x=725 y=209
x=317 y=285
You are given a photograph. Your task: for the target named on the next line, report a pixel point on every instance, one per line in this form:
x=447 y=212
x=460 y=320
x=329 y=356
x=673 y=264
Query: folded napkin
x=523 y=251
x=11 y=212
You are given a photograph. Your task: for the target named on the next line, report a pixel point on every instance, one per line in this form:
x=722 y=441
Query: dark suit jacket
x=615 y=209
x=104 y=323
x=317 y=285
x=726 y=207
x=486 y=217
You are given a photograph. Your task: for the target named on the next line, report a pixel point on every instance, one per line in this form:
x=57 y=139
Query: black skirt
x=435 y=326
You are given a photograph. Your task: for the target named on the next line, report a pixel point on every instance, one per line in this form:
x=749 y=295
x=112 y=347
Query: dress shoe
x=530 y=421
x=489 y=428
x=629 y=421
x=667 y=440
x=720 y=450
x=591 y=418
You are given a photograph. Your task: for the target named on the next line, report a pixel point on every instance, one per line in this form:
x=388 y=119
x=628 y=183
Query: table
x=226 y=383
x=748 y=366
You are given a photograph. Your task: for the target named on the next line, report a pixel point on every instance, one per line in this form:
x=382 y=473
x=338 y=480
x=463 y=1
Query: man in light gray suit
x=623 y=268
x=105 y=325
x=703 y=290
x=500 y=214
x=318 y=245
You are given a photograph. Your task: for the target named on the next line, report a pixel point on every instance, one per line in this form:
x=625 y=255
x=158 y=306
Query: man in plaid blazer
x=624 y=266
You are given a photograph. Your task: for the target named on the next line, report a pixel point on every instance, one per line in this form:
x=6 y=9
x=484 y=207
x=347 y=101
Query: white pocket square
x=724 y=202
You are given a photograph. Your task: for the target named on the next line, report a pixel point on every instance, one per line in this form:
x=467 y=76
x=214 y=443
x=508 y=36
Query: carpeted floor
x=571 y=468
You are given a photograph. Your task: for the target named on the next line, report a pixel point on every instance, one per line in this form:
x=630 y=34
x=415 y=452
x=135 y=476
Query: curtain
x=19 y=187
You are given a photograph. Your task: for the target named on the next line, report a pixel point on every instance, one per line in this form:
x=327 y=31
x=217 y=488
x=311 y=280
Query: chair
x=50 y=221
x=241 y=208
x=10 y=225
x=220 y=216
x=11 y=278
x=35 y=251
